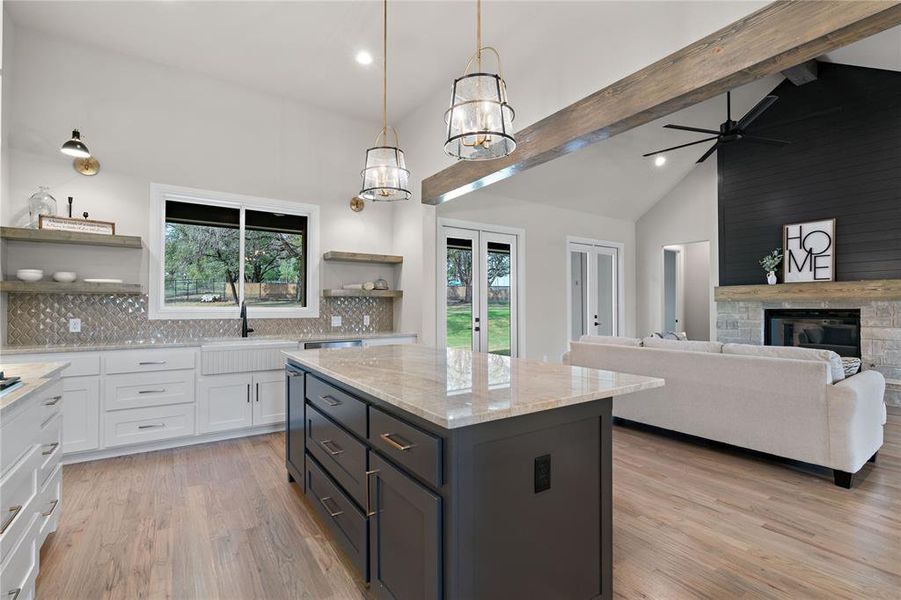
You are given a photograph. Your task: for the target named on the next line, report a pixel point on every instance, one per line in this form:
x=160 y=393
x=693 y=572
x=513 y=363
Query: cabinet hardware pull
x=258 y=392
x=330 y=400
x=152 y=362
x=369 y=511
x=15 y=511
x=14 y=593
x=331 y=513
x=293 y=373
x=151 y=426
x=51 y=448
x=53 y=506
x=162 y=391
x=325 y=444
x=403 y=445
x=53 y=401
x=248 y=393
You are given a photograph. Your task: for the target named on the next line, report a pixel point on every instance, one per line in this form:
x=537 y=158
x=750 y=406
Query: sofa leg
x=843 y=478
x=873 y=458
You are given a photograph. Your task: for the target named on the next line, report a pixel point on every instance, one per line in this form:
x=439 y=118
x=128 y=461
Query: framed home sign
x=76 y=225
x=809 y=251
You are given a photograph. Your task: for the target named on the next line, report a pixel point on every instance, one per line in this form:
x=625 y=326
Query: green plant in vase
x=770 y=263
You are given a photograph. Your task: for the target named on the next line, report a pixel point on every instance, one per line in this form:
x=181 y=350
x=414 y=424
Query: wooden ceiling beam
x=778 y=36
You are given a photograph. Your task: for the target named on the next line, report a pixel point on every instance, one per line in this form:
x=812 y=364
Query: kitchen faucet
x=244 y=328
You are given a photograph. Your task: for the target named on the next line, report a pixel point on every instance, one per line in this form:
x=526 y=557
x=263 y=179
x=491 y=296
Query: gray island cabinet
x=452 y=474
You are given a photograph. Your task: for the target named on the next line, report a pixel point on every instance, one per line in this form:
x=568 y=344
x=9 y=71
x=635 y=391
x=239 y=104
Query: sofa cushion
x=836 y=368
x=684 y=345
x=611 y=340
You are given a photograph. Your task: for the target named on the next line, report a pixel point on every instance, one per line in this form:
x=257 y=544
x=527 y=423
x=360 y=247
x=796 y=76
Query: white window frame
x=159 y=193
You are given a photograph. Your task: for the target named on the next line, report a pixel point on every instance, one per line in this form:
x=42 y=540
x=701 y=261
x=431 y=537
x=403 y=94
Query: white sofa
x=735 y=394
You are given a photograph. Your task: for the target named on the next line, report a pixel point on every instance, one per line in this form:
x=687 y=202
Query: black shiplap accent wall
x=845 y=165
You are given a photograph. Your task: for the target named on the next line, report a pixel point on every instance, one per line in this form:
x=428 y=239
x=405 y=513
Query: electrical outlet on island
x=74 y=325
x=336 y=321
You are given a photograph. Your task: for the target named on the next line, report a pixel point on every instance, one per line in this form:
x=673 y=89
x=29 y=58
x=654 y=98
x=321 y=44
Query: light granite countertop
x=454 y=388
x=194 y=342
x=35 y=377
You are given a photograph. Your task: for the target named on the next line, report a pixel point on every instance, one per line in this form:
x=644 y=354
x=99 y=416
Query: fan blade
x=813 y=115
x=677 y=147
x=764 y=140
x=695 y=129
x=708 y=153
x=755 y=112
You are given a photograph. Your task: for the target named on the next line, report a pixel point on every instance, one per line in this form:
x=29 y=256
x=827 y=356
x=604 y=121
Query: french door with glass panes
x=478 y=301
x=593 y=273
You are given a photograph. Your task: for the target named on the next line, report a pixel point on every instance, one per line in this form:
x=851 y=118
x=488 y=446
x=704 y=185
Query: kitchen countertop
x=196 y=342
x=454 y=388
x=35 y=377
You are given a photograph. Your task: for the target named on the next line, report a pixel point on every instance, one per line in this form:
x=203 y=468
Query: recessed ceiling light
x=660 y=161
x=364 y=58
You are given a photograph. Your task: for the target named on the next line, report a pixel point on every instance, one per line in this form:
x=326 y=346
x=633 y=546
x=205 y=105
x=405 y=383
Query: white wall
x=686 y=214
x=546 y=228
x=147 y=122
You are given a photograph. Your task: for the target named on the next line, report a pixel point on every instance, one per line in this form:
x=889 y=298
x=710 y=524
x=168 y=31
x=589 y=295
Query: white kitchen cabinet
x=81 y=414
x=225 y=402
x=269 y=397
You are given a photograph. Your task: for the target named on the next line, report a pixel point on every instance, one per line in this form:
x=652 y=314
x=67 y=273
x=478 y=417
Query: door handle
x=476 y=328
x=402 y=446
x=258 y=392
x=369 y=511
x=248 y=393
x=331 y=513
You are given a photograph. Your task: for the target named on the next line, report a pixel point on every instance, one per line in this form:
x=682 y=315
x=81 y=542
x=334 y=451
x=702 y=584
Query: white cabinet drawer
x=19 y=432
x=17 y=493
x=48 y=504
x=51 y=447
x=140 y=361
x=139 y=390
x=51 y=401
x=137 y=425
x=19 y=572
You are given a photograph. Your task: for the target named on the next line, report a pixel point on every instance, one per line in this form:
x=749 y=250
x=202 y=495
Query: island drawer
x=346 y=522
x=337 y=404
x=407 y=445
x=339 y=452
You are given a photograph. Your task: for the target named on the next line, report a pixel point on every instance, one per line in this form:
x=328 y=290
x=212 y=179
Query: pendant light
x=479 y=120
x=75 y=147
x=385 y=175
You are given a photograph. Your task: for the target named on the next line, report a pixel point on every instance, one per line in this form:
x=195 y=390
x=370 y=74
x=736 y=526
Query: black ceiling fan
x=730 y=131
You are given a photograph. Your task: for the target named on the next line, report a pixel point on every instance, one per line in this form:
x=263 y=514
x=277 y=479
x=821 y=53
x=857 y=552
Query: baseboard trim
x=77 y=457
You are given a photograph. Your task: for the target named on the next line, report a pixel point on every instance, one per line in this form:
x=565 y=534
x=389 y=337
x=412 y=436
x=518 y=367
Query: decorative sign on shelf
x=809 y=251
x=76 y=225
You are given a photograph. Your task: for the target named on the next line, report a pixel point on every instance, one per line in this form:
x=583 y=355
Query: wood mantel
x=876 y=289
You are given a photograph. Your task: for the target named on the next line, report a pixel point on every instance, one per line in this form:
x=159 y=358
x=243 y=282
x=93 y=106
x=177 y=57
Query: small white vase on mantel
x=771 y=278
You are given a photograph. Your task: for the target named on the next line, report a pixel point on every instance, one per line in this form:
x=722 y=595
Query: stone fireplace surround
x=742 y=322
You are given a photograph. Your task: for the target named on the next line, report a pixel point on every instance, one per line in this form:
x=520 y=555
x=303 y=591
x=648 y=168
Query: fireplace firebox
x=837 y=330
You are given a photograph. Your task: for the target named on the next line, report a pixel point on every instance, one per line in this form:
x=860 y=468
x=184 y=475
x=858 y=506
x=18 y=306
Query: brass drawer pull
x=15 y=511
x=162 y=391
x=53 y=401
x=151 y=426
x=14 y=593
x=53 y=506
x=330 y=400
x=402 y=445
x=337 y=449
x=51 y=448
x=151 y=362
x=331 y=513
x=369 y=511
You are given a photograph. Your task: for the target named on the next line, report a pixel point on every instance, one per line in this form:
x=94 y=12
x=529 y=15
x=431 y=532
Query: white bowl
x=30 y=274
x=64 y=276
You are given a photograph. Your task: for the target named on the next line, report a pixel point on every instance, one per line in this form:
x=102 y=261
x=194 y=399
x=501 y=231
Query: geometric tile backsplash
x=43 y=320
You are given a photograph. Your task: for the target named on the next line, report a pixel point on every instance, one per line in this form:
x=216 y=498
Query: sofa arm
x=856 y=409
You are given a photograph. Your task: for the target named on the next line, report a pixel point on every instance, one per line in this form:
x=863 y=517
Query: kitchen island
x=453 y=474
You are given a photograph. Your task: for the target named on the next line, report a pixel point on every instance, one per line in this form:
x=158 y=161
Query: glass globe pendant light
x=479 y=120
x=385 y=174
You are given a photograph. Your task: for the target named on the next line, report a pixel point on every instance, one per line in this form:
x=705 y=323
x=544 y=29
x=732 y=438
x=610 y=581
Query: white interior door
x=594 y=291
x=478 y=291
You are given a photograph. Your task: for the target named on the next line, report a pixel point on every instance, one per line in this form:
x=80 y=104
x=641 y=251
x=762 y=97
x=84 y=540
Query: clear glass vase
x=40 y=203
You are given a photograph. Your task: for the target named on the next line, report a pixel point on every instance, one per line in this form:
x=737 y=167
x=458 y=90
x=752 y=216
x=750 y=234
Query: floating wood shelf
x=46 y=236
x=876 y=289
x=362 y=257
x=362 y=293
x=76 y=287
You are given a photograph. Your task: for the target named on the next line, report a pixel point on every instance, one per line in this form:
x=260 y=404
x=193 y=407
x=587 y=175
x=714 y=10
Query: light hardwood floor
x=221 y=521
